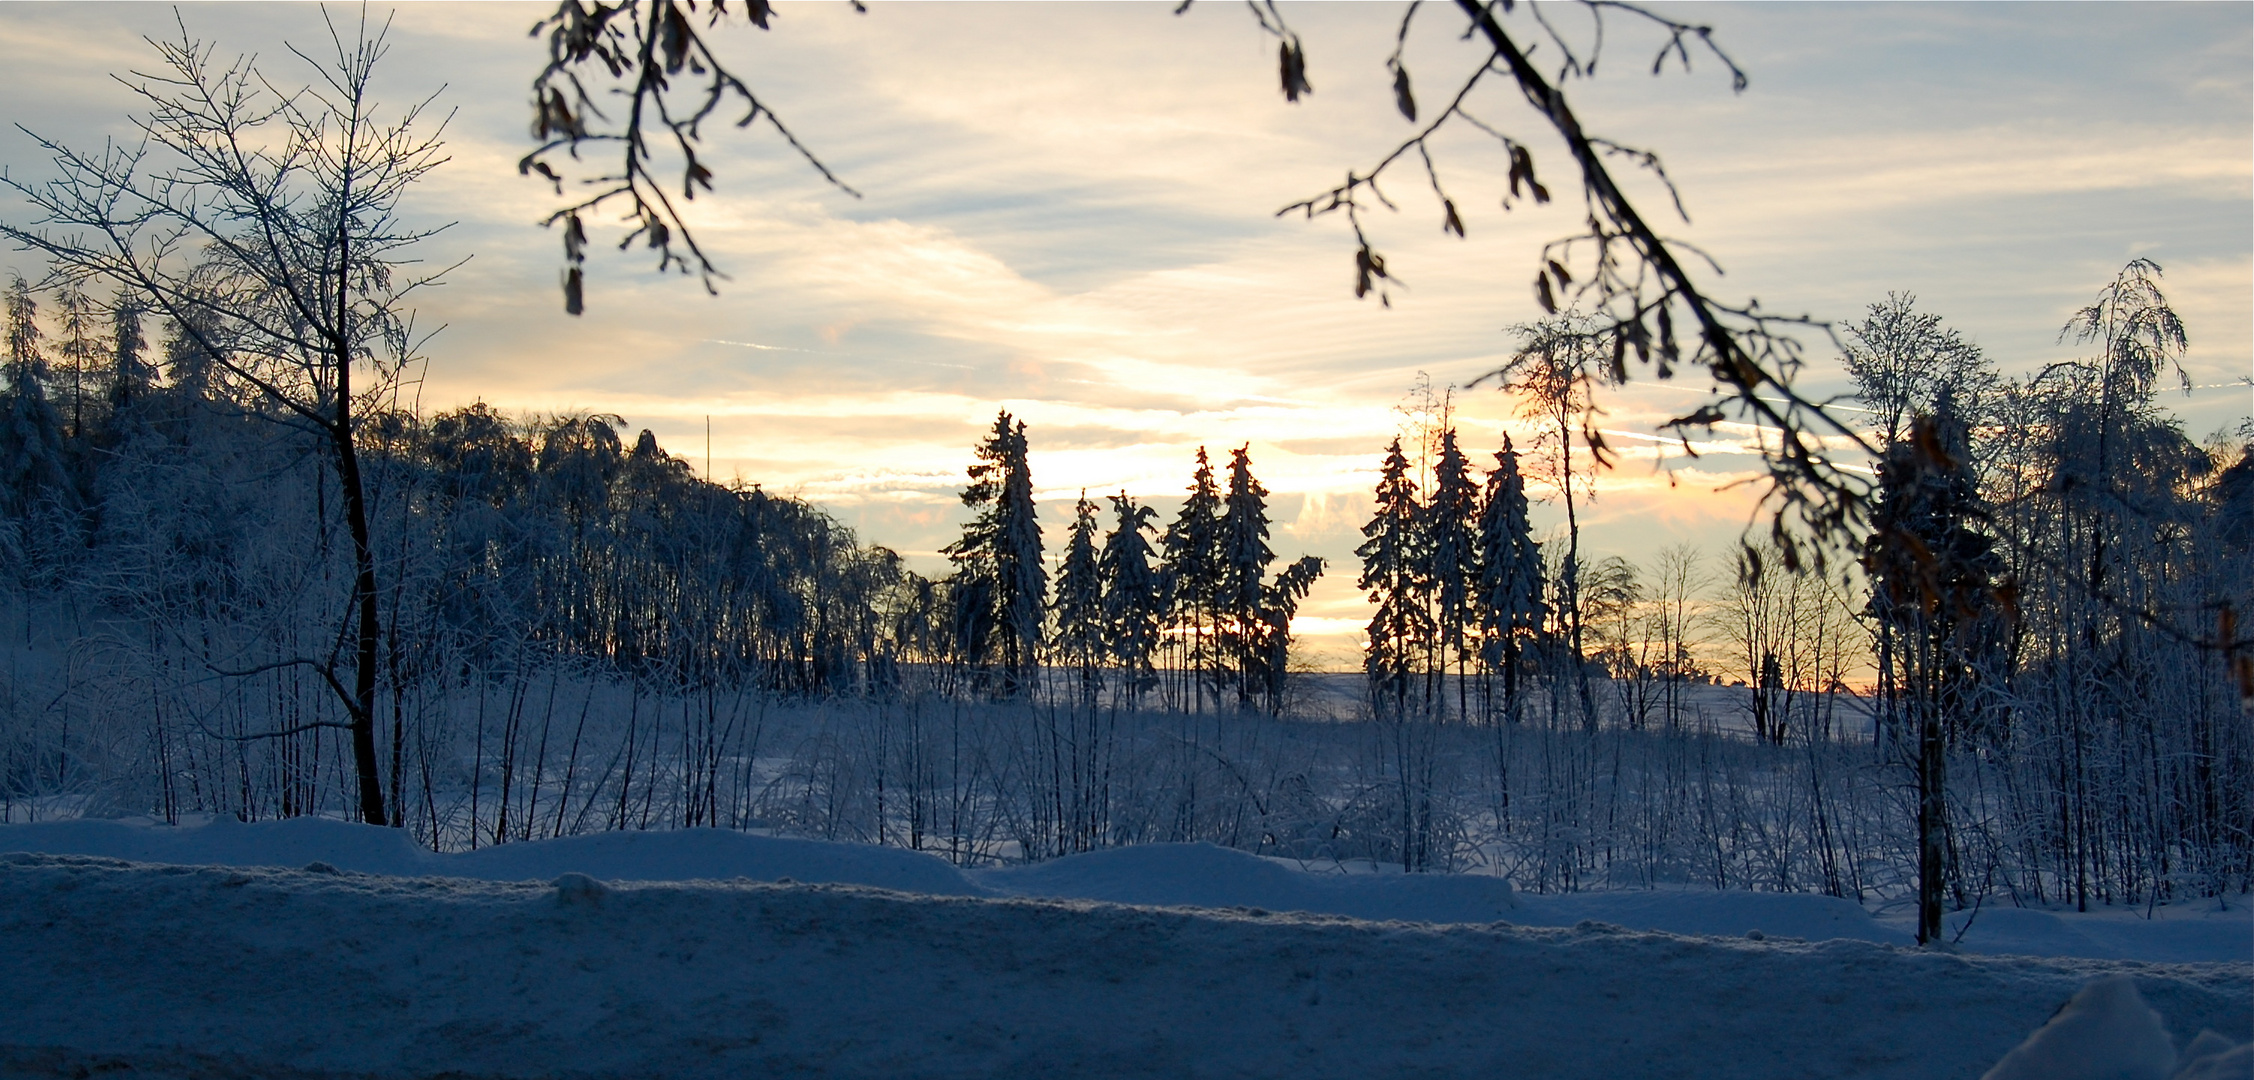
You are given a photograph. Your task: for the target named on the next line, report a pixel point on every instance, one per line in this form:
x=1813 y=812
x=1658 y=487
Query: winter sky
x=1069 y=213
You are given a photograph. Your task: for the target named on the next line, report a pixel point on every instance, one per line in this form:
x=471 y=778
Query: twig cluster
x=1632 y=288
x=637 y=51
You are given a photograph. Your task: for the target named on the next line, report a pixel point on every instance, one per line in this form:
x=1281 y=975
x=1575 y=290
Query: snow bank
x=1163 y=875
x=1724 y=914
x=1202 y=875
x=674 y=855
x=129 y=969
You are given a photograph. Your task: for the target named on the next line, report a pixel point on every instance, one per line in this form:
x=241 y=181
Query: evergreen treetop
x=1244 y=553
x=1133 y=602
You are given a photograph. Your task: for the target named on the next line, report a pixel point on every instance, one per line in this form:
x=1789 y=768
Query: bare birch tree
x=264 y=223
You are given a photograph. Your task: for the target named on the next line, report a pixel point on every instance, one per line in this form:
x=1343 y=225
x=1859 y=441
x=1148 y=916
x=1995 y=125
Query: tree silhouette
x=1078 y=608
x=1395 y=556
x=1133 y=595
x=1452 y=533
x=1240 y=578
x=1001 y=586
x=1935 y=583
x=1635 y=285
x=265 y=226
x=1190 y=568
x=1509 y=600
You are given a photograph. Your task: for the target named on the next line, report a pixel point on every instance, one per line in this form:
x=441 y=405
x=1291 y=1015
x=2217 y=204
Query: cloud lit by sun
x=1070 y=215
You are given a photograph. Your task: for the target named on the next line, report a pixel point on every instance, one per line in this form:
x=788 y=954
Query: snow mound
x=2213 y=1057
x=223 y=841
x=2199 y=932
x=707 y=855
x=2026 y=931
x=2105 y=1033
x=1716 y=914
x=674 y=855
x=1156 y=875
x=1203 y=875
x=117 y=968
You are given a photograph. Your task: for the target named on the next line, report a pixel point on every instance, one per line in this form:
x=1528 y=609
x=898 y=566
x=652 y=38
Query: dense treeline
x=2049 y=592
x=171 y=530
x=579 y=634
x=240 y=577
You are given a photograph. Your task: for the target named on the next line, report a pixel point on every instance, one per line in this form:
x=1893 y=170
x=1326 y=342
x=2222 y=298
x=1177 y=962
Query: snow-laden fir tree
x=1240 y=577
x=999 y=580
x=78 y=355
x=1190 y=571
x=1394 y=558
x=1078 y=607
x=1452 y=531
x=130 y=376
x=1509 y=598
x=1134 y=603
x=37 y=499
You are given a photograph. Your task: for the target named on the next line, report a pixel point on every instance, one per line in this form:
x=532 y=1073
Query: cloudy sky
x=1069 y=213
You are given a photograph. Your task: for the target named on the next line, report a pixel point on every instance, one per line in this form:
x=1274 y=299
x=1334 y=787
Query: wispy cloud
x=1069 y=215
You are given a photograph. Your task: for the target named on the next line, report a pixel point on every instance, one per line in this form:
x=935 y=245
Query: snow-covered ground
x=318 y=948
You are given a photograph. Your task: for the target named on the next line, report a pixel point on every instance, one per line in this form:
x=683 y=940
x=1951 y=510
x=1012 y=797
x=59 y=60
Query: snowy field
x=312 y=948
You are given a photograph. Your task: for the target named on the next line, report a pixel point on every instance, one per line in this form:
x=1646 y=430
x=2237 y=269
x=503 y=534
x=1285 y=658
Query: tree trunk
x=1932 y=808
x=368 y=629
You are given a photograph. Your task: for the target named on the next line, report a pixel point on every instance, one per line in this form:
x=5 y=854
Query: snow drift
x=708 y=953
x=176 y=971
x=1167 y=875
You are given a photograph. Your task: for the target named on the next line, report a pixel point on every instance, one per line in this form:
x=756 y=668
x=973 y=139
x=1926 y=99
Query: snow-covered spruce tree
x=1134 y=603
x=39 y=503
x=999 y=580
x=1240 y=579
x=78 y=361
x=1509 y=599
x=1452 y=531
x=1189 y=569
x=1934 y=582
x=130 y=375
x=1394 y=557
x=1077 y=610
x=1252 y=614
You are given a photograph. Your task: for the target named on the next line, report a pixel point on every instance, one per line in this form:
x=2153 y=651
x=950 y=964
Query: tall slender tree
x=1078 y=608
x=1000 y=582
x=1934 y=580
x=1240 y=577
x=130 y=375
x=266 y=226
x=1452 y=530
x=1190 y=567
x=1556 y=371
x=1509 y=599
x=1394 y=557
x=1134 y=604
x=78 y=352
x=37 y=494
